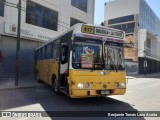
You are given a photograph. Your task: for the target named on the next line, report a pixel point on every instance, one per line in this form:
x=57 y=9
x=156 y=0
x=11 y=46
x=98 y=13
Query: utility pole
x=145 y=60
x=18 y=43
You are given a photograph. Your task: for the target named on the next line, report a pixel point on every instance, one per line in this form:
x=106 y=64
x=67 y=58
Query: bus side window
x=55 y=50
x=49 y=51
x=36 y=56
x=64 y=54
x=40 y=54
x=43 y=53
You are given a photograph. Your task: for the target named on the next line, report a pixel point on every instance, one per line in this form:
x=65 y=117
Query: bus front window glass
x=87 y=54
x=114 y=58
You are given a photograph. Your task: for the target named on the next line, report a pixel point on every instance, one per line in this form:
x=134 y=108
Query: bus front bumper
x=76 y=93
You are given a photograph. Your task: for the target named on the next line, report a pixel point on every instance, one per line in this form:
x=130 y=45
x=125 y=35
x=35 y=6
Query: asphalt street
x=143 y=94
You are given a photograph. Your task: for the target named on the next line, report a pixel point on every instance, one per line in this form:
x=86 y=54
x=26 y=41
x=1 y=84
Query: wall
x=142 y=35
x=119 y=8
x=131 y=67
x=131 y=52
x=147 y=25
x=151 y=56
x=8 y=49
x=148 y=18
x=32 y=36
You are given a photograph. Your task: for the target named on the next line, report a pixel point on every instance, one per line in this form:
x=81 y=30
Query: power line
x=58 y=13
x=24 y=0
x=10 y=3
x=34 y=13
x=1 y=3
x=45 y=18
x=24 y=9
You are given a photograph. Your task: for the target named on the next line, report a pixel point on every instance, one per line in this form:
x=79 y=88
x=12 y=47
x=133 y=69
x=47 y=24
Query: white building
x=41 y=20
x=142 y=29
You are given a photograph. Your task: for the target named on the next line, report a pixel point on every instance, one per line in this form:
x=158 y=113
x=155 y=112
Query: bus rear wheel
x=38 y=77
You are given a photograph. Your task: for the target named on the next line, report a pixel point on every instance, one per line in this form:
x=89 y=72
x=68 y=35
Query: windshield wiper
x=93 y=69
x=114 y=62
x=103 y=53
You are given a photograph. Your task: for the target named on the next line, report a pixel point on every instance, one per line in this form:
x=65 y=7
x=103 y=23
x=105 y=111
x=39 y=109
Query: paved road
x=142 y=95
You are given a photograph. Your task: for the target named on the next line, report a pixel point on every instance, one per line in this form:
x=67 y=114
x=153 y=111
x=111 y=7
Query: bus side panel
x=53 y=70
x=42 y=68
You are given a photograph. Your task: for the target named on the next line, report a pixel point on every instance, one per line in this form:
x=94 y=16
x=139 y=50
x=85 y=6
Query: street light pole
x=145 y=60
x=18 y=43
x=145 y=63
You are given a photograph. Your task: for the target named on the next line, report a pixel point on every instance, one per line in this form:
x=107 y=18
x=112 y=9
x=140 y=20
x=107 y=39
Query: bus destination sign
x=108 y=32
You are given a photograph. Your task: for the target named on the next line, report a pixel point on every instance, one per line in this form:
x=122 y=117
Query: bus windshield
x=114 y=58
x=87 y=53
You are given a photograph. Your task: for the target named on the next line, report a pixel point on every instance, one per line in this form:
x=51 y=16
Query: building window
x=1 y=8
x=121 y=19
x=74 y=21
x=41 y=16
x=80 y=4
x=128 y=28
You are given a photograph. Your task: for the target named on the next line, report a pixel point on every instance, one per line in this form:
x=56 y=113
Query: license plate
x=105 y=92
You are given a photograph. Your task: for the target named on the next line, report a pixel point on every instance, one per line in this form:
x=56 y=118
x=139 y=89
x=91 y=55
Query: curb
x=143 y=76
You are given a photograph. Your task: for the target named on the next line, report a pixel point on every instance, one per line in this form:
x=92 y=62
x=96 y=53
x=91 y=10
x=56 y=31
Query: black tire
x=55 y=85
x=38 y=78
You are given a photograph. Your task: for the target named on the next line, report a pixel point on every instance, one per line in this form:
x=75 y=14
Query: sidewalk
x=142 y=75
x=9 y=83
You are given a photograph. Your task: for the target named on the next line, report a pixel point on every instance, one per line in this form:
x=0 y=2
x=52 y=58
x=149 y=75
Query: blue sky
x=99 y=9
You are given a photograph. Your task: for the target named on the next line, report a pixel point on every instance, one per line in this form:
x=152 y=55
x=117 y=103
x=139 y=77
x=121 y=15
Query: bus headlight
x=123 y=85
x=80 y=85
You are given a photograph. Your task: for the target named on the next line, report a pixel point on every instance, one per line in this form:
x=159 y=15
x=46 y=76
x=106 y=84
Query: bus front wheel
x=55 y=86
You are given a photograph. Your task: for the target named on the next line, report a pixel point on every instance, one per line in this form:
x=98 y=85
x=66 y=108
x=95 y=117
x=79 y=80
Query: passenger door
x=64 y=59
x=64 y=64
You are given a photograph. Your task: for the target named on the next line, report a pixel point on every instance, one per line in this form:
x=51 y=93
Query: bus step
x=63 y=90
x=62 y=87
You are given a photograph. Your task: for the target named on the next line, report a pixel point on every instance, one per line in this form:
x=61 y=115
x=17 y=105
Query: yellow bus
x=84 y=61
